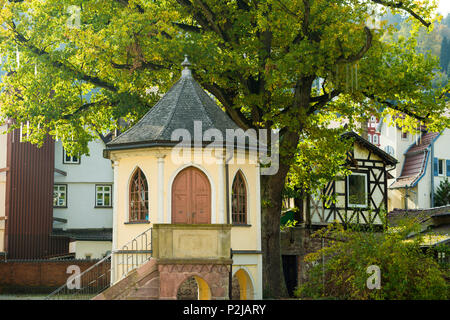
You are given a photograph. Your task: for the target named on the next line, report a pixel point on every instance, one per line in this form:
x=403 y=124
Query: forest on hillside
x=435 y=41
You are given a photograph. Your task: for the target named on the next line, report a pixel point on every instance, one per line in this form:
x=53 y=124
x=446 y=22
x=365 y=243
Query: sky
x=444 y=7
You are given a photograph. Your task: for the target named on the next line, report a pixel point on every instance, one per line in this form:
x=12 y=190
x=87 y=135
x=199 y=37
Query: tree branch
x=399 y=5
x=394 y=107
x=187 y=27
x=223 y=97
x=322 y=100
x=144 y=65
x=361 y=53
x=20 y=39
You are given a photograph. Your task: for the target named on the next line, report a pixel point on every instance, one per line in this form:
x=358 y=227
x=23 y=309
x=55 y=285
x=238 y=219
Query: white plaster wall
x=81 y=212
x=392 y=136
x=93 y=168
x=442 y=151
x=96 y=249
x=81 y=180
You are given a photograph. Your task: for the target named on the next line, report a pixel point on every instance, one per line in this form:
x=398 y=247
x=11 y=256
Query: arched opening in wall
x=194 y=288
x=241 y=286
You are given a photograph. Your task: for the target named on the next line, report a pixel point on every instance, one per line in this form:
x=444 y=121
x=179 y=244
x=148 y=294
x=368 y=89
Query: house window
x=369 y=138
x=239 y=200
x=70 y=159
x=375 y=139
x=390 y=150
x=442 y=258
x=103 y=195
x=441 y=164
x=357 y=190
x=138 y=197
x=404 y=135
x=60 y=195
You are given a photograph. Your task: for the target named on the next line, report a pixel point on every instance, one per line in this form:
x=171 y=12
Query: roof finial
x=186 y=64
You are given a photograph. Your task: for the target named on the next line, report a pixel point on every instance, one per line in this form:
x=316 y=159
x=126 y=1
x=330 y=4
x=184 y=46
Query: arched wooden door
x=191 y=197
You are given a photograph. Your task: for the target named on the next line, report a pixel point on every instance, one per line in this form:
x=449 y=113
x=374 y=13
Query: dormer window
x=404 y=135
x=70 y=159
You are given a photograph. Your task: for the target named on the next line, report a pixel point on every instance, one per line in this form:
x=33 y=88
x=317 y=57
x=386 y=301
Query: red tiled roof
x=415 y=161
x=424 y=142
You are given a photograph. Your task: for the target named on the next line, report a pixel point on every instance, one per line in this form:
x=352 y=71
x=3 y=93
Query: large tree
x=73 y=76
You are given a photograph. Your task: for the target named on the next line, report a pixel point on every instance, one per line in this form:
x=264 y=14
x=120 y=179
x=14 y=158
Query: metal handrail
x=97 y=277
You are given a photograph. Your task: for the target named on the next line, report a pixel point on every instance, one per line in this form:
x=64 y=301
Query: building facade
x=26 y=213
x=424 y=162
x=82 y=200
x=202 y=206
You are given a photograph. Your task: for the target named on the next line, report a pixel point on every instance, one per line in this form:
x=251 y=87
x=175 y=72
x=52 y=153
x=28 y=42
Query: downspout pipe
x=432 y=174
x=227 y=210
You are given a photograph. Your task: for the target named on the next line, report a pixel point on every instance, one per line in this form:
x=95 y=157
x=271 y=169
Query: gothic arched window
x=239 y=200
x=138 y=197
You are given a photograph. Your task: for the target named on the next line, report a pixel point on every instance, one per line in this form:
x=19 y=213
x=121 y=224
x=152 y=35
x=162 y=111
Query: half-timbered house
x=358 y=198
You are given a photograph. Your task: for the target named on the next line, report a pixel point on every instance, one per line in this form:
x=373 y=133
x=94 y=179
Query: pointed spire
x=186 y=64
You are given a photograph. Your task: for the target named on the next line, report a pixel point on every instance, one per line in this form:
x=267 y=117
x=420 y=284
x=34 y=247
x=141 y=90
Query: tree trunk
x=271 y=189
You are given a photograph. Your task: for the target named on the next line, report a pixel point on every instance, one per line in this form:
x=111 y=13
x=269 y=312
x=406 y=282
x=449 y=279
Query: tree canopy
x=75 y=67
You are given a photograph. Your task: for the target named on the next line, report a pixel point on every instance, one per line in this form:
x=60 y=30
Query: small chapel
x=192 y=211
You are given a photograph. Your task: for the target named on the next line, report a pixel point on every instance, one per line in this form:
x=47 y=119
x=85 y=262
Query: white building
x=424 y=161
x=83 y=200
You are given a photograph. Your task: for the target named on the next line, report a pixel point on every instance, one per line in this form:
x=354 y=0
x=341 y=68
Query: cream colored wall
x=396 y=199
x=246 y=237
x=242 y=238
x=96 y=249
x=423 y=188
x=250 y=264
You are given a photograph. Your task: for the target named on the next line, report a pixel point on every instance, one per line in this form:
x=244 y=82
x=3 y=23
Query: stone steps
x=140 y=284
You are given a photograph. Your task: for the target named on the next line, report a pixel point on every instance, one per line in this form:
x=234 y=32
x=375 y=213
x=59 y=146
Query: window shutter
x=448 y=168
x=436 y=165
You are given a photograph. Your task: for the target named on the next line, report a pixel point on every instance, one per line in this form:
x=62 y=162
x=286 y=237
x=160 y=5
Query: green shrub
x=442 y=194
x=407 y=272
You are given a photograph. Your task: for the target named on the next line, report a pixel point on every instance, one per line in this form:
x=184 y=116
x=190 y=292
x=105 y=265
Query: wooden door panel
x=202 y=209
x=191 y=197
x=180 y=198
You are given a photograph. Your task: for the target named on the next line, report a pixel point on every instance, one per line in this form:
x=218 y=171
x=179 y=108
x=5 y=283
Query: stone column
x=161 y=188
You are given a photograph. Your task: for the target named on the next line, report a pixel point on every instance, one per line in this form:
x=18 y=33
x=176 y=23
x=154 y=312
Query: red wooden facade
x=29 y=206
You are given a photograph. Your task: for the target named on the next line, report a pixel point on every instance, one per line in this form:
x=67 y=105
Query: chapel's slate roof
x=183 y=104
x=416 y=159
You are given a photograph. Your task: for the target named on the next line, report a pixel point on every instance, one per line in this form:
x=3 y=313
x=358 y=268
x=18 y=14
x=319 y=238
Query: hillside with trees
x=433 y=41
